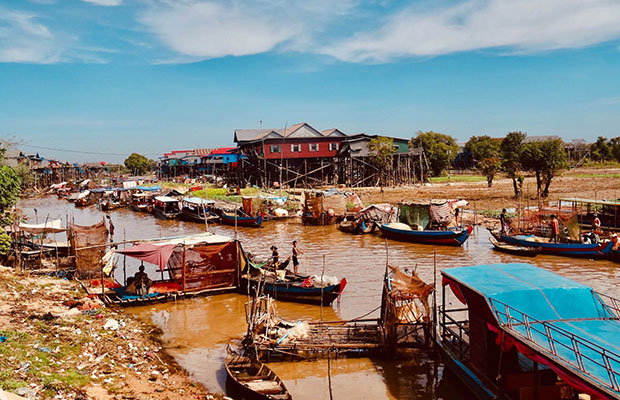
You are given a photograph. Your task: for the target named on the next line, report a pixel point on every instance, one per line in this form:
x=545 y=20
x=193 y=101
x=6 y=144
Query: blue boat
x=450 y=237
x=524 y=332
x=586 y=250
x=232 y=219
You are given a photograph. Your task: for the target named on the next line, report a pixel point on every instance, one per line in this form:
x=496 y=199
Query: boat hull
x=287 y=291
x=166 y=215
x=580 y=250
x=464 y=374
x=514 y=250
x=253 y=222
x=443 y=238
x=241 y=374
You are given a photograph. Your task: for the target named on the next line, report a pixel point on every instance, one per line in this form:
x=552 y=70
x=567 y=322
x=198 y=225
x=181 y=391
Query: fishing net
x=88 y=261
x=538 y=222
x=410 y=287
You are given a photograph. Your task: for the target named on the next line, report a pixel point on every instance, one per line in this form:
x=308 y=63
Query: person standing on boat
x=456 y=217
x=296 y=253
x=504 y=222
x=555 y=228
x=596 y=228
x=275 y=257
x=110 y=228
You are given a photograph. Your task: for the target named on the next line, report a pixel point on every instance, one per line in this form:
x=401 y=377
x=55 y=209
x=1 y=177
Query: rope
x=329 y=375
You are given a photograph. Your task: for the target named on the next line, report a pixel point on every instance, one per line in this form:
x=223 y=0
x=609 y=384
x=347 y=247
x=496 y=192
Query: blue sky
x=118 y=76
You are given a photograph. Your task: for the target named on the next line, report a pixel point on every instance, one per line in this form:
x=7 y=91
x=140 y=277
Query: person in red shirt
x=555 y=228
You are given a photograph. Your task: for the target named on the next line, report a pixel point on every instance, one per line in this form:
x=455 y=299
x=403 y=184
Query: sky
x=95 y=80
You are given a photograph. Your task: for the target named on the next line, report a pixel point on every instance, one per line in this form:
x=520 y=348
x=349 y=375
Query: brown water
x=196 y=331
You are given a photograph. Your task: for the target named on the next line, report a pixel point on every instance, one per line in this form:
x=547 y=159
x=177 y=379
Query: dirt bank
x=585 y=183
x=57 y=343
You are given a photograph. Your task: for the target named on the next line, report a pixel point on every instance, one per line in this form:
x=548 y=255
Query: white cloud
x=523 y=26
x=218 y=28
x=107 y=3
x=23 y=39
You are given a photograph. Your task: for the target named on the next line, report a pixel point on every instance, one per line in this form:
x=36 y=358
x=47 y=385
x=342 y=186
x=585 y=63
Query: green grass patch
x=458 y=178
x=601 y=175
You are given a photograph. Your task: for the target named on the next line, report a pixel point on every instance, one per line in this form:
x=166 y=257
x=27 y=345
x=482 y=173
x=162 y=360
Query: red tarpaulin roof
x=150 y=253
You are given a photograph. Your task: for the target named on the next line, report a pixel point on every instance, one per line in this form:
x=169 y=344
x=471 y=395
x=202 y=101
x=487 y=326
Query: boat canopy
x=158 y=252
x=53 y=226
x=551 y=319
x=80 y=195
x=166 y=199
x=199 y=201
x=614 y=203
x=147 y=188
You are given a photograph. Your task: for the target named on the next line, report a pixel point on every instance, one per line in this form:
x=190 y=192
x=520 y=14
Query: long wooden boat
x=249 y=379
x=197 y=209
x=514 y=250
x=356 y=227
x=166 y=207
x=107 y=204
x=451 y=237
x=293 y=287
x=549 y=331
x=585 y=250
x=232 y=219
x=142 y=202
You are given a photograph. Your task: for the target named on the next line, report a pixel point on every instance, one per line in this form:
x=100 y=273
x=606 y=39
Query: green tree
x=9 y=188
x=138 y=164
x=510 y=151
x=382 y=149
x=489 y=167
x=545 y=158
x=26 y=177
x=440 y=150
x=483 y=147
x=601 y=150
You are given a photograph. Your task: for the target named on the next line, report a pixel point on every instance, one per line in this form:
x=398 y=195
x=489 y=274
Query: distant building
x=357 y=145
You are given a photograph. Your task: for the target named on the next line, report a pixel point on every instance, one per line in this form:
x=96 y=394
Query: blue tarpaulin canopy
x=148 y=188
x=549 y=313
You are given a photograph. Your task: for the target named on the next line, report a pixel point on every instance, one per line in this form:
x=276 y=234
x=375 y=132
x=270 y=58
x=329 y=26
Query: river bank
x=55 y=342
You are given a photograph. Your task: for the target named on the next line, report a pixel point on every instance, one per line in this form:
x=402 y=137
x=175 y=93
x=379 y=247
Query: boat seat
x=250 y=378
x=284 y=396
x=265 y=387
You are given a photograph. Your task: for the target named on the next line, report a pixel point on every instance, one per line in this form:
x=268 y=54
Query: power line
x=81 y=151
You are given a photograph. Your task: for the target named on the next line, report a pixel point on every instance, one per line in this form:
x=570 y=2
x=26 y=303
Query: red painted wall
x=285 y=148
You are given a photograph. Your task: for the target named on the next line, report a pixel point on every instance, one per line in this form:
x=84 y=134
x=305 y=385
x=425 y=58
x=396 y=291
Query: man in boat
x=596 y=228
x=140 y=283
x=504 y=222
x=555 y=228
x=110 y=228
x=296 y=253
x=456 y=217
x=275 y=257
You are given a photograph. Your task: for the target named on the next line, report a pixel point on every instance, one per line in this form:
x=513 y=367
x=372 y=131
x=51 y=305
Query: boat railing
x=580 y=353
x=611 y=304
x=454 y=332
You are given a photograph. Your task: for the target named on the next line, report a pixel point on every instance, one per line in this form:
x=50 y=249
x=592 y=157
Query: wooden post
x=183 y=270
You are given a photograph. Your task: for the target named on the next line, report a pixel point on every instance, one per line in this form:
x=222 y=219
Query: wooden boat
x=585 y=250
x=357 y=227
x=239 y=220
x=166 y=207
x=450 y=237
x=514 y=250
x=111 y=204
x=292 y=287
x=197 y=209
x=142 y=202
x=249 y=379
x=549 y=331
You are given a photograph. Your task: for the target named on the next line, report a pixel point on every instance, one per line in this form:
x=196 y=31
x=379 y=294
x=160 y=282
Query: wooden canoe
x=249 y=379
x=514 y=250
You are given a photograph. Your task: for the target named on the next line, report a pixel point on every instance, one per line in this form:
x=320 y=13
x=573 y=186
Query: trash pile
x=55 y=342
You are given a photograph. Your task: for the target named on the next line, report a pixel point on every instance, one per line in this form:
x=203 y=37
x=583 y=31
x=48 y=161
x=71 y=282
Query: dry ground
x=56 y=350
x=584 y=183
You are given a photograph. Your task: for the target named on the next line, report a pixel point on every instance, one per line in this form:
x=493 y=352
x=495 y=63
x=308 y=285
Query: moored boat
x=524 y=332
x=249 y=379
x=514 y=250
x=448 y=237
x=240 y=220
x=197 y=209
x=585 y=250
x=142 y=202
x=166 y=207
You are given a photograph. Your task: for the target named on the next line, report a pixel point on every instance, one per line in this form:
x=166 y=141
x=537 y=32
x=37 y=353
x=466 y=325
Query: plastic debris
x=111 y=325
x=24 y=367
x=44 y=349
x=3 y=339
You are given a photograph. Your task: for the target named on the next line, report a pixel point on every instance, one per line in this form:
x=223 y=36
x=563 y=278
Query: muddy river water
x=197 y=330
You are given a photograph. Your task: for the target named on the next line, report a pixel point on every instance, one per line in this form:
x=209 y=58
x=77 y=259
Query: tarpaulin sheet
x=441 y=213
x=158 y=255
x=48 y=227
x=414 y=214
x=88 y=261
x=335 y=202
x=569 y=306
x=206 y=265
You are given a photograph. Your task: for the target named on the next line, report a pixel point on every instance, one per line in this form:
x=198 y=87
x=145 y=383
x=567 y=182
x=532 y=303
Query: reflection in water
x=196 y=331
